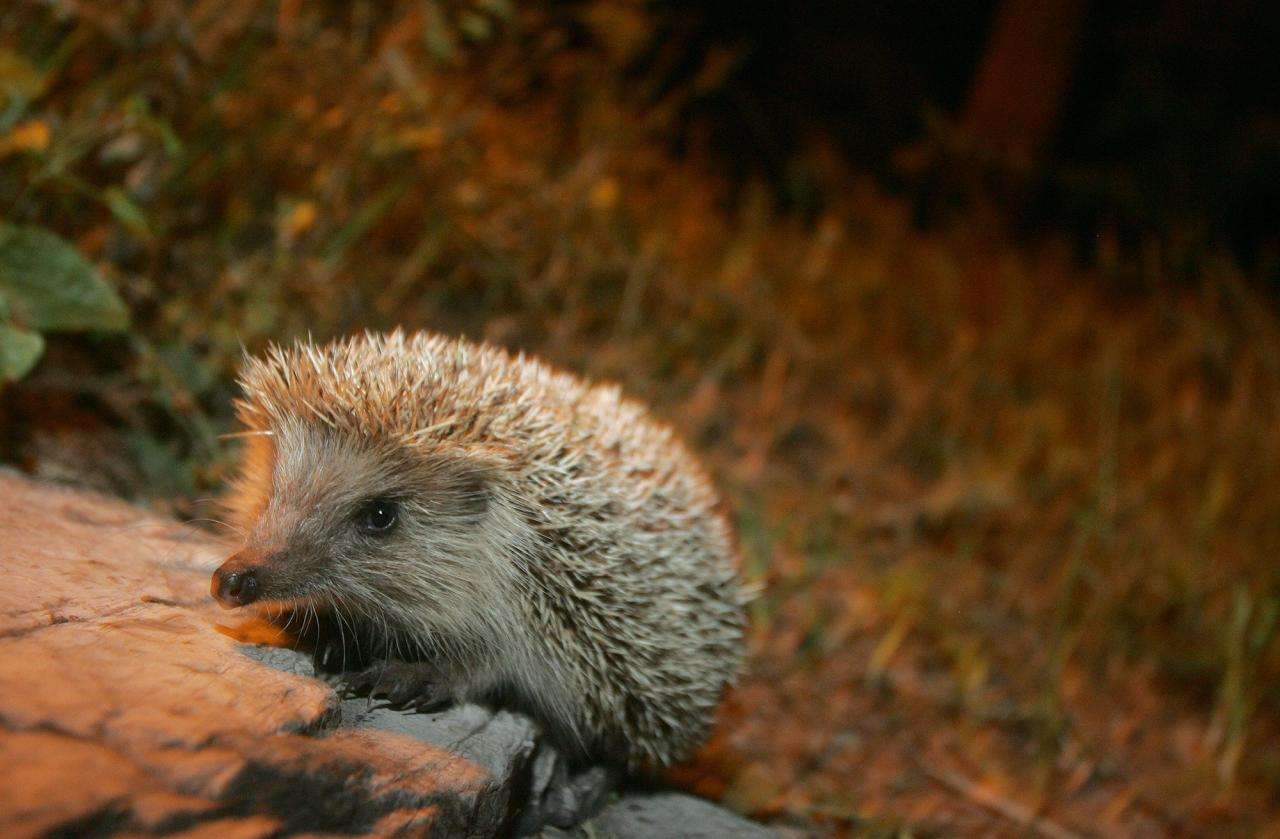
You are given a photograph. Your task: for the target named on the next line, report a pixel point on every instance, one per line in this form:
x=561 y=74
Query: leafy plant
x=46 y=285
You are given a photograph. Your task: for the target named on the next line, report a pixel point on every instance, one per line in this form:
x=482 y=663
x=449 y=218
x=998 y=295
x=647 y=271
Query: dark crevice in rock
x=327 y=720
x=55 y=620
x=107 y=821
x=59 y=620
x=518 y=786
x=336 y=800
x=95 y=737
x=34 y=610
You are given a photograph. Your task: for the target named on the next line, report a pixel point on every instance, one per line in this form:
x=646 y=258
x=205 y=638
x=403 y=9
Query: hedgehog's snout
x=237 y=582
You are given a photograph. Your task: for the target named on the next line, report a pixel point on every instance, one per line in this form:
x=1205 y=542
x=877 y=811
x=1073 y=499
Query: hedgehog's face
x=363 y=528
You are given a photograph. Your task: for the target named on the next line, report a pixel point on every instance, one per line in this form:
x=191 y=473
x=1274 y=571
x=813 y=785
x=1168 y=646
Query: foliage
x=47 y=286
x=1004 y=521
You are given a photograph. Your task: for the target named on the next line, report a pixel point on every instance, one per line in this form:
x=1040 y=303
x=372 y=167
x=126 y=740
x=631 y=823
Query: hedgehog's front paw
x=412 y=685
x=338 y=648
x=329 y=657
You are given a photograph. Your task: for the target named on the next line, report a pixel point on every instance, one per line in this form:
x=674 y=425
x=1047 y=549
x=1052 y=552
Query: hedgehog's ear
x=473 y=473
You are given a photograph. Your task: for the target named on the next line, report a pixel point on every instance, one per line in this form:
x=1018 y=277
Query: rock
x=507 y=745
x=560 y=797
x=130 y=705
x=671 y=814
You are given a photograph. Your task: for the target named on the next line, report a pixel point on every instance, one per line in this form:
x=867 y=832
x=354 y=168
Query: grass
x=1008 y=523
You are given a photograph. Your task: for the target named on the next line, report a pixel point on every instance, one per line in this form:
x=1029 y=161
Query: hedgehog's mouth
x=337 y=640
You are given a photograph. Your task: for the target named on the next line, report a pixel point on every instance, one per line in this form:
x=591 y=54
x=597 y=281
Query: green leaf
x=139 y=108
x=364 y=218
x=19 y=351
x=126 y=211
x=50 y=286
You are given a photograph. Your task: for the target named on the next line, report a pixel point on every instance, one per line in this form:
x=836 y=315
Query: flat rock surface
x=128 y=706
x=671 y=814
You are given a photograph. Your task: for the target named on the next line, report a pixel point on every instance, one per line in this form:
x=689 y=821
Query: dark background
x=1170 y=119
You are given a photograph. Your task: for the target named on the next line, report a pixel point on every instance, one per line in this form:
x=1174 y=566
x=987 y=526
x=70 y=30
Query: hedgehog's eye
x=378 y=516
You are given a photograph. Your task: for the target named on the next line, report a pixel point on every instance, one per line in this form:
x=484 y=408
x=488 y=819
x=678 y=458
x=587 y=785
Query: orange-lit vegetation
x=1017 y=537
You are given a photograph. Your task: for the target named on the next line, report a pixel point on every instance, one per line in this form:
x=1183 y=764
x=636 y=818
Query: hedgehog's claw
x=403 y=685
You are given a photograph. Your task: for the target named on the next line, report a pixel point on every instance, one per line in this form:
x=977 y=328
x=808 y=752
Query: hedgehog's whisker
x=236 y=529
x=234 y=435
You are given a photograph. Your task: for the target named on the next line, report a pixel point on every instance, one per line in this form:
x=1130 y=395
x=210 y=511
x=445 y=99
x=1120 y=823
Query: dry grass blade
x=1019 y=814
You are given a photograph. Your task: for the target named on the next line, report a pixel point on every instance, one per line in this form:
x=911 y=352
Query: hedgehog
x=477 y=525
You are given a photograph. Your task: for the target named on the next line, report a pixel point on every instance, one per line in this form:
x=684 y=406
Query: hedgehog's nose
x=233 y=586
